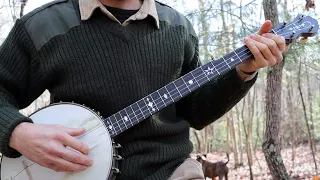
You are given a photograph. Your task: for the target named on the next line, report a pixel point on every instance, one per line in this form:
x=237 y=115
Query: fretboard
x=174 y=91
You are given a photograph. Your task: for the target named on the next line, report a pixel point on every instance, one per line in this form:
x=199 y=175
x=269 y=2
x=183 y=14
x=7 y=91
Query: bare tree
x=271 y=146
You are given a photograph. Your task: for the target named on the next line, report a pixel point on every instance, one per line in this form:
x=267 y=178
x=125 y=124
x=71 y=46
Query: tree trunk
x=247 y=130
x=292 y=123
x=306 y=118
x=271 y=146
x=233 y=138
x=205 y=35
x=239 y=135
x=198 y=142
x=23 y=5
x=311 y=110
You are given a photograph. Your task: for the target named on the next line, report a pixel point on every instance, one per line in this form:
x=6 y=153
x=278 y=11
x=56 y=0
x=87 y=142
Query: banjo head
x=96 y=137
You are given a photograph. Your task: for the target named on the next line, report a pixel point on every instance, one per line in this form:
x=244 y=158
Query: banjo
x=101 y=131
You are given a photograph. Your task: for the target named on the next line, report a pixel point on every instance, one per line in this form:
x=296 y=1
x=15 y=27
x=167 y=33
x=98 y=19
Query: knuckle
x=59 y=136
x=58 y=170
x=279 y=58
x=273 y=62
x=264 y=47
x=57 y=125
x=255 y=51
x=282 y=39
x=50 y=165
x=273 y=44
x=52 y=149
x=74 y=157
x=69 y=167
x=82 y=146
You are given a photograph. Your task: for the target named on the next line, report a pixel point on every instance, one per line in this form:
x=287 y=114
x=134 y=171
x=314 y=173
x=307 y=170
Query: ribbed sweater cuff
x=9 y=119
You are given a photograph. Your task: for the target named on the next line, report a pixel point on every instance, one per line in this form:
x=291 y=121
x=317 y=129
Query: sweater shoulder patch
x=173 y=17
x=50 y=20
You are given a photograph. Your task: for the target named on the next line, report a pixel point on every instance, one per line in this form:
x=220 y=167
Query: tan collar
x=148 y=7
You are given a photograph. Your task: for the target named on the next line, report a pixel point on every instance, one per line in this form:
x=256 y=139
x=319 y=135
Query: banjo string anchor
x=116 y=170
x=117 y=145
x=117 y=157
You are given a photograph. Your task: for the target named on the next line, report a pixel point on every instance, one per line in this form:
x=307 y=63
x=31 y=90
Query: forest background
x=275 y=130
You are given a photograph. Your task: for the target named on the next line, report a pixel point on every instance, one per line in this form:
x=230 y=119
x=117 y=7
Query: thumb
x=74 y=131
x=265 y=28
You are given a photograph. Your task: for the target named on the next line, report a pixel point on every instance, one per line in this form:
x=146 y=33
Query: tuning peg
x=293 y=33
x=301 y=17
x=284 y=24
x=311 y=28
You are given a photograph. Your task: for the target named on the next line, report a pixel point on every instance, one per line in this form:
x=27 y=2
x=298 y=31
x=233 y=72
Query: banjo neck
x=304 y=26
x=174 y=91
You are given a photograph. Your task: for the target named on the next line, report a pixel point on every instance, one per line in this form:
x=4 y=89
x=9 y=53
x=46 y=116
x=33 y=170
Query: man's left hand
x=267 y=49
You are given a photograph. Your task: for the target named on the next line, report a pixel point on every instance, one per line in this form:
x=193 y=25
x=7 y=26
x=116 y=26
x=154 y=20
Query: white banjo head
x=96 y=137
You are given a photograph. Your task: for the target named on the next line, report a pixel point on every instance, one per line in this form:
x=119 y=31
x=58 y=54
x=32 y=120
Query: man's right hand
x=46 y=146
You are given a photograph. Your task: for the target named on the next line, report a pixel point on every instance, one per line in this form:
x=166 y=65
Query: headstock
x=304 y=26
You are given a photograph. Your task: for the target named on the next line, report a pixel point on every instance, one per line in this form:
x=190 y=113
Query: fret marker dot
x=165 y=96
x=190 y=82
x=125 y=118
x=110 y=127
x=231 y=59
x=153 y=109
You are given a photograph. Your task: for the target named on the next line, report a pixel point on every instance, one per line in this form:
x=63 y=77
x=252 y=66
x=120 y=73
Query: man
x=108 y=54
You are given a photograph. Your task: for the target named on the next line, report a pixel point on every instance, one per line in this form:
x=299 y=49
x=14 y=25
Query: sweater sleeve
x=18 y=69
x=215 y=98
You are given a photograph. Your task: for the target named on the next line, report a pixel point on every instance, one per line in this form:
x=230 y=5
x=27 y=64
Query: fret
x=226 y=62
x=194 y=80
x=211 y=70
x=121 y=120
x=238 y=56
x=161 y=98
x=133 y=111
x=199 y=74
x=204 y=72
x=176 y=87
x=118 y=119
x=149 y=105
x=244 y=53
x=140 y=104
x=188 y=89
x=163 y=92
x=168 y=93
x=111 y=131
x=156 y=99
x=125 y=118
x=191 y=82
x=182 y=86
x=111 y=125
x=216 y=70
x=131 y=115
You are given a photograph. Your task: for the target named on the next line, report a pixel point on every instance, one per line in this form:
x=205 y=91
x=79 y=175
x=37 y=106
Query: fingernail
x=83 y=167
x=264 y=35
x=252 y=35
x=246 y=39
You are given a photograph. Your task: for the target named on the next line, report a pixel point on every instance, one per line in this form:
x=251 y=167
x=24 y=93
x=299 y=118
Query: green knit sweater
x=108 y=67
